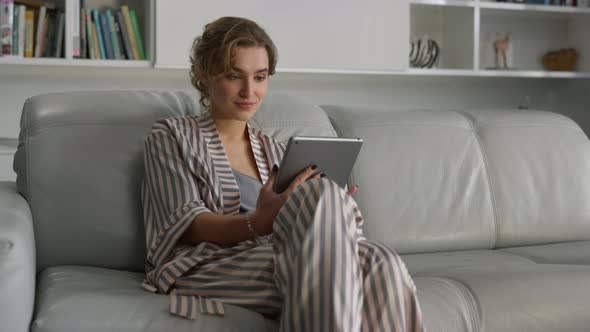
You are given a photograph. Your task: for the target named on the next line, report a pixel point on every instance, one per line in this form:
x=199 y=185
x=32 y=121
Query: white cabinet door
x=340 y=35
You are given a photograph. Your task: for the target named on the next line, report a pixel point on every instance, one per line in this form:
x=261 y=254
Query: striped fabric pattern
x=187 y=173
x=317 y=271
x=331 y=277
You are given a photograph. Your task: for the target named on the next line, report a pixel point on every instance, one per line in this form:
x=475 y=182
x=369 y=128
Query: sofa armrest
x=17 y=260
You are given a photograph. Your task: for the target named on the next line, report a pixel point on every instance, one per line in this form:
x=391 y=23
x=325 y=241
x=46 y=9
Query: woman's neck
x=230 y=130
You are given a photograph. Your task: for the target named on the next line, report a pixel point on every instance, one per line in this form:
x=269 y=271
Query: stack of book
x=31 y=28
x=108 y=34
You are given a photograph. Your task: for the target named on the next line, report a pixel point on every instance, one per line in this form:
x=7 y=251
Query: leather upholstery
x=490 y=209
x=17 y=260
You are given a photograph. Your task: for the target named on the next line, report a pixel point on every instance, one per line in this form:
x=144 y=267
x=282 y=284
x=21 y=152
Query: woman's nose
x=247 y=89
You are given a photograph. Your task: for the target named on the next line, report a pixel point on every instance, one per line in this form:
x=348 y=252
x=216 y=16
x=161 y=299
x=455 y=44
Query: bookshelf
x=466 y=31
x=142 y=10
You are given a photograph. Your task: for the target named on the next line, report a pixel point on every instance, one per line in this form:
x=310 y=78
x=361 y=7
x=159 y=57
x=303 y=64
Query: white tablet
x=335 y=156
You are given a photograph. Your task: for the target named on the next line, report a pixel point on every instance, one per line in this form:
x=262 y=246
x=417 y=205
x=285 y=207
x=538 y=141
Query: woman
x=217 y=233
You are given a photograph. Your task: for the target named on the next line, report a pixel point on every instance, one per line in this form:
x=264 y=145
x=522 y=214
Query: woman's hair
x=212 y=52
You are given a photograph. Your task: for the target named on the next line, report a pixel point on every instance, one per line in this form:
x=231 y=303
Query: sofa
x=490 y=210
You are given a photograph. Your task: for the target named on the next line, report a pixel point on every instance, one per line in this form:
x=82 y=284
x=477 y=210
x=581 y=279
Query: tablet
x=335 y=156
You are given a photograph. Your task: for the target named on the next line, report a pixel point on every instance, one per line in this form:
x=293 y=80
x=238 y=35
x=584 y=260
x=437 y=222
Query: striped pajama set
x=316 y=271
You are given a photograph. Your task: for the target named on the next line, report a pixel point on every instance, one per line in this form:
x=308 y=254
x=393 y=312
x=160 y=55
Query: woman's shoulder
x=177 y=124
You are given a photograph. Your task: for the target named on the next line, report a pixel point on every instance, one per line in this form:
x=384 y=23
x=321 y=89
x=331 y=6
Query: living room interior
x=368 y=58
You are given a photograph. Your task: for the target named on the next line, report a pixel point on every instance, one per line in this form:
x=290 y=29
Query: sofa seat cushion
x=429 y=263
x=577 y=253
x=76 y=298
x=518 y=297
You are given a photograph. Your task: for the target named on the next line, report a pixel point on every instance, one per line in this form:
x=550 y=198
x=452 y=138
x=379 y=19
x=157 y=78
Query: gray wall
x=374 y=91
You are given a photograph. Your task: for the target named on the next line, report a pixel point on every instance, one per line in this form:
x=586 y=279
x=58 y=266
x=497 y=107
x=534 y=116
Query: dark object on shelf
x=424 y=53
x=561 y=60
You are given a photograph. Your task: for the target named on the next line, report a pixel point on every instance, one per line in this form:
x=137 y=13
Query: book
x=15 y=18
x=113 y=34
x=22 y=22
x=29 y=33
x=106 y=36
x=6 y=23
x=57 y=51
x=96 y=23
x=76 y=30
x=95 y=39
x=129 y=28
x=89 y=35
x=137 y=34
x=48 y=35
x=124 y=36
x=39 y=32
x=83 y=46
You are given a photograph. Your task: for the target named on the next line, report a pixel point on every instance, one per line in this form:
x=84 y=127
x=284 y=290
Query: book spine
x=48 y=33
x=89 y=34
x=29 y=33
x=137 y=35
x=22 y=23
x=113 y=34
x=83 y=46
x=96 y=21
x=6 y=25
x=95 y=41
x=124 y=35
x=15 y=24
x=60 y=34
x=106 y=36
x=129 y=28
x=76 y=29
x=39 y=33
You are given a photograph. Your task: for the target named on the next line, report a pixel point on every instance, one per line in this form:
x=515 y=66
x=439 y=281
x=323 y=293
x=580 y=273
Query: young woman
x=217 y=233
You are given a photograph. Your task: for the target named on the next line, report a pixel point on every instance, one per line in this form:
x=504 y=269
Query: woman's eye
x=260 y=78
x=232 y=77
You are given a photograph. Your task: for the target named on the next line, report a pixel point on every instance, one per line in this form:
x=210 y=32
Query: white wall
x=374 y=91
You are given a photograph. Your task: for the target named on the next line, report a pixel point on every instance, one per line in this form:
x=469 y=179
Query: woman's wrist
x=257 y=222
x=250 y=223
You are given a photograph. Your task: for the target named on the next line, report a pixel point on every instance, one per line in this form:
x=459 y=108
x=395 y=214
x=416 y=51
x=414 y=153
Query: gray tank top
x=249 y=189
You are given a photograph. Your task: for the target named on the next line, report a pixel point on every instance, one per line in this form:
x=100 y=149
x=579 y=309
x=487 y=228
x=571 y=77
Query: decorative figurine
x=501 y=46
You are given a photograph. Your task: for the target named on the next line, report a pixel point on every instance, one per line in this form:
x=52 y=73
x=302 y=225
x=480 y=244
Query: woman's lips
x=246 y=105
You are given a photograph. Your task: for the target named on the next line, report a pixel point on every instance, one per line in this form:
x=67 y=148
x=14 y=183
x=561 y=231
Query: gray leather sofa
x=490 y=209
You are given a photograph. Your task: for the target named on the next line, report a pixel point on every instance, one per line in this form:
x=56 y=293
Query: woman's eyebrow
x=263 y=70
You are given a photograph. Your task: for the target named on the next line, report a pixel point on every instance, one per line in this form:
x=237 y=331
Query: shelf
x=12 y=60
x=450 y=3
x=497 y=73
x=8 y=145
x=504 y=6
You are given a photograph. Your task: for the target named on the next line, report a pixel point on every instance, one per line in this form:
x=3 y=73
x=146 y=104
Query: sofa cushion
x=422 y=180
x=575 y=253
x=538 y=164
x=74 y=298
x=80 y=165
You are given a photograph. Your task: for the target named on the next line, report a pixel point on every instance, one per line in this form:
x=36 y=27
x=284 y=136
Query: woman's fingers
x=353 y=190
x=301 y=177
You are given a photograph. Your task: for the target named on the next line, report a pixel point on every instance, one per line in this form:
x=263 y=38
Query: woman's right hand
x=269 y=203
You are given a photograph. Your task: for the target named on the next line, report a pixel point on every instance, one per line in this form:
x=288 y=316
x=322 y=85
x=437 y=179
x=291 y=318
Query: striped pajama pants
x=318 y=272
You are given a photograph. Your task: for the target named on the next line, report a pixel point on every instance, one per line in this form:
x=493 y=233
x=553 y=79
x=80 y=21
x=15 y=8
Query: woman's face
x=237 y=94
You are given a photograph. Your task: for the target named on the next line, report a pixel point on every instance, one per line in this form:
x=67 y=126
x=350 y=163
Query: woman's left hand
x=352 y=190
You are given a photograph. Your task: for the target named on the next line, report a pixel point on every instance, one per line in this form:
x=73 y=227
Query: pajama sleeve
x=170 y=192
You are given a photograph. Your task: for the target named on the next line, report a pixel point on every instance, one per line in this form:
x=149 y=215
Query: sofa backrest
x=79 y=164
x=436 y=180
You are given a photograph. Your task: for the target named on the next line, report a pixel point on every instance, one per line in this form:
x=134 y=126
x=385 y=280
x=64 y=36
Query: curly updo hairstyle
x=211 y=53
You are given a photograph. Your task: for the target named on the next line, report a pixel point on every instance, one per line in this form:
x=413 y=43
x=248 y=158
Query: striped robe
x=187 y=173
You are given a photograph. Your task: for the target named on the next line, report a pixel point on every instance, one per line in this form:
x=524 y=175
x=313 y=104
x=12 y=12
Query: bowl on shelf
x=561 y=60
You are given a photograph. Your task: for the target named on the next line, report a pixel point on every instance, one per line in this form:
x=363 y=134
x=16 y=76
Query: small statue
x=501 y=46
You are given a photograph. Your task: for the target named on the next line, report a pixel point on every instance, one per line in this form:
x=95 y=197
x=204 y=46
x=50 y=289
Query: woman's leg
x=389 y=302
x=326 y=271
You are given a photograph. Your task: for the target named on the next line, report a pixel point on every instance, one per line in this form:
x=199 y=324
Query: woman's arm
x=222 y=229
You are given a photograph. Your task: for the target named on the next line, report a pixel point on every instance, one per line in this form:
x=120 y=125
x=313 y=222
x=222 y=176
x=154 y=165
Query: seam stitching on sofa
x=494 y=240
x=511 y=254
x=472 y=305
x=40 y=129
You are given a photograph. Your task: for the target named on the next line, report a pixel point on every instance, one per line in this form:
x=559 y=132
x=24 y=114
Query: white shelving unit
x=467 y=29
x=144 y=11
